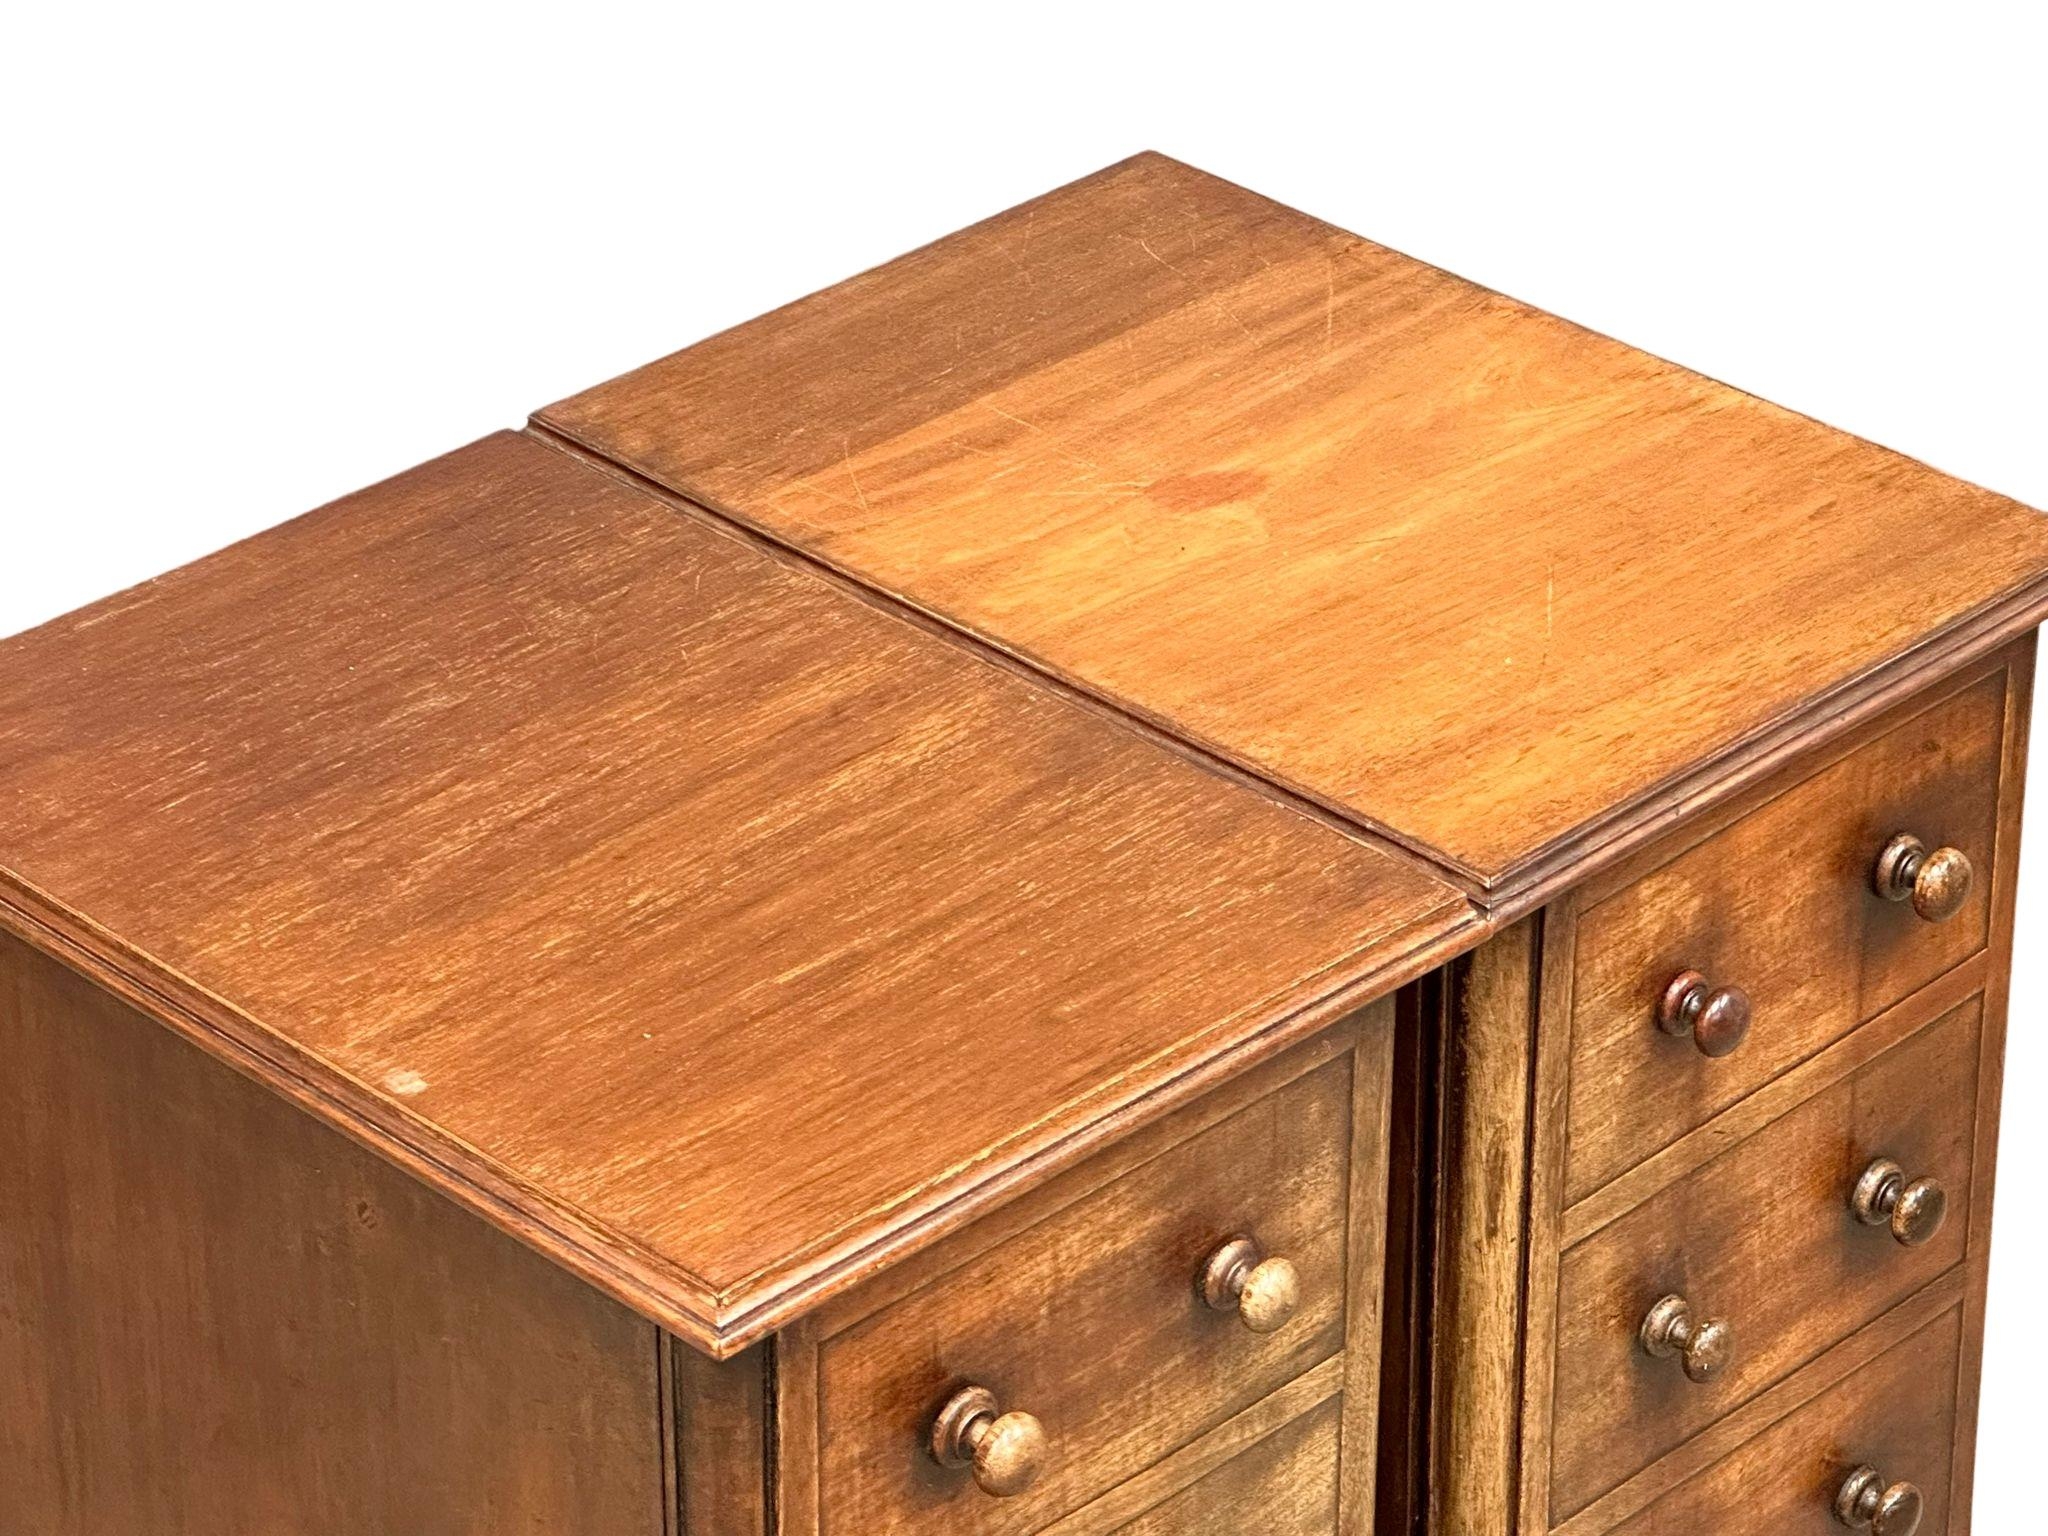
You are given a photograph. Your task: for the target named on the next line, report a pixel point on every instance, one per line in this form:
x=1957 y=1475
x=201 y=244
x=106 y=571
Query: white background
x=258 y=257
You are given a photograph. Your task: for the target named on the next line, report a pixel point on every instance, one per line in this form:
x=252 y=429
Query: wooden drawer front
x=1090 y=1321
x=1780 y=905
x=1286 y=1485
x=1763 y=1237
x=1897 y=1415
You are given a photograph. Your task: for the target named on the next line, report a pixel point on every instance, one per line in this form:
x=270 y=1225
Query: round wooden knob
x=1264 y=1293
x=1008 y=1451
x=1937 y=883
x=1717 y=1018
x=1913 y=1209
x=1705 y=1348
x=1865 y=1503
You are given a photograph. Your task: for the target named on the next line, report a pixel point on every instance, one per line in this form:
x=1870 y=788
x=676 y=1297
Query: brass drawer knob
x=1264 y=1293
x=1866 y=1504
x=1008 y=1451
x=1717 y=1018
x=1704 y=1348
x=1913 y=1210
x=1937 y=883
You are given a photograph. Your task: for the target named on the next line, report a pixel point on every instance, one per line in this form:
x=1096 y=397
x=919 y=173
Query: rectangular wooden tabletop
x=714 y=930
x=1436 y=560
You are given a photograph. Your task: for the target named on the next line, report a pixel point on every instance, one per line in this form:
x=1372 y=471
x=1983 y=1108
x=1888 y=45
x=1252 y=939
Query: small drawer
x=1766 y=1241
x=1890 y=1426
x=1092 y=1322
x=1781 y=908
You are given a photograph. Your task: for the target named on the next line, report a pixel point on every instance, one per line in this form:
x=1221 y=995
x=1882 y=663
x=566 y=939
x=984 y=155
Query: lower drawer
x=1894 y=1417
x=1286 y=1485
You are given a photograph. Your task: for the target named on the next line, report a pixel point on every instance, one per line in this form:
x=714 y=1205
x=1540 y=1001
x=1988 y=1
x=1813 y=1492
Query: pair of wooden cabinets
x=225 y=1317
x=1154 y=871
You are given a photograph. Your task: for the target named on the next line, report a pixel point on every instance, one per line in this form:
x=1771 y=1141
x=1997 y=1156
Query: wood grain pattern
x=1896 y=1414
x=2004 y=882
x=1547 y=1122
x=1482 y=1202
x=1779 y=904
x=220 y=1318
x=1044 y=1201
x=1775 y=1099
x=1761 y=1236
x=1729 y=1433
x=1547 y=1416
x=797 y=1350
x=1165 y=1480
x=1367 y=1218
x=722 y=1441
x=1203 y=457
x=1286 y=1485
x=1090 y=1321
x=710 y=929
x=798 y=1433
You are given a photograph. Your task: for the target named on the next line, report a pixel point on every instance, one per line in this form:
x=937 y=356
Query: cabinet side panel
x=2019 y=714
x=722 y=1432
x=1367 y=1241
x=219 y=1318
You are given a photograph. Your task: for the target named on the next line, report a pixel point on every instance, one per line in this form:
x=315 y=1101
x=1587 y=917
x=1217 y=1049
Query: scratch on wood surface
x=1237 y=320
x=818 y=490
x=846 y=448
x=1052 y=437
x=1147 y=249
x=1022 y=266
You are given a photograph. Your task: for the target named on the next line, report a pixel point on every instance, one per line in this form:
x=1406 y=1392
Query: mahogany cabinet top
x=706 y=926
x=1494 y=585
x=915 y=736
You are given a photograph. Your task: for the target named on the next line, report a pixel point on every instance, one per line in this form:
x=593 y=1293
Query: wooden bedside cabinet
x=1153 y=871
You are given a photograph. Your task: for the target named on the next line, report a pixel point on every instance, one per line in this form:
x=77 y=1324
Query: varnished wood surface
x=1360 y=1047
x=220 y=1318
x=2004 y=881
x=1090 y=1321
x=1779 y=904
x=1367 y=1248
x=735 y=934
x=1774 y=1100
x=1897 y=1414
x=1430 y=557
x=1728 y=1434
x=1557 y=1225
x=1162 y=1483
x=722 y=1439
x=1286 y=1485
x=708 y=928
x=1482 y=1200
x=1762 y=1237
